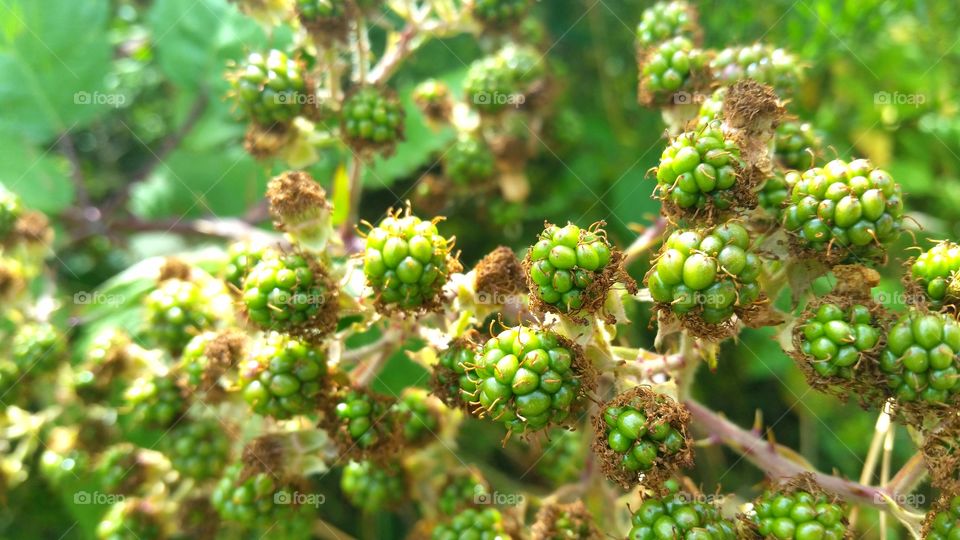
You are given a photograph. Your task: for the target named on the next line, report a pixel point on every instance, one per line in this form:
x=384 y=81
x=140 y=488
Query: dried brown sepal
x=869 y=384
x=445 y=382
x=265 y=454
x=941 y=454
x=832 y=256
x=805 y=482
x=32 y=228
x=582 y=524
x=265 y=142
x=499 y=274
x=174 y=268
x=386 y=424
x=223 y=353
x=759 y=313
x=437 y=108
x=753 y=108
x=657 y=408
x=295 y=196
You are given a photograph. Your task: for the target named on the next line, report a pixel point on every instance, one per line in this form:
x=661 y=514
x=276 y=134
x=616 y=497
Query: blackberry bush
x=199 y=449
x=700 y=171
x=528 y=379
x=934 y=273
x=472 y=523
x=451 y=382
x=407 y=262
x=271 y=88
x=797 y=515
x=708 y=273
x=372 y=119
x=283 y=376
x=845 y=211
x=681 y=516
x=665 y=20
x=669 y=67
x=920 y=358
x=372 y=487
x=469 y=160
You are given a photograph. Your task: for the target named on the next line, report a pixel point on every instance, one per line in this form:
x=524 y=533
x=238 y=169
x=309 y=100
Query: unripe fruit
x=433 y=99
x=124 y=469
x=709 y=273
x=499 y=15
x=563 y=455
x=680 y=516
x=670 y=67
x=451 y=382
x=206 y=361
x=571 y=269
x=463 y=488
x=176 y=311
x=834 y=339
x=131 y=519
x=372 y=119
x=469 y=160
x=762 y=63
x=504 y=79
x=271 y=89
x=198 y=449
x=935 y=271
x=290 y=292
x=472 y=523
x=421 y=415
x=325 y=19
x=98 y=378
x=846 y=211
x=155 y=401
x=363 y=424
x=261 y=502
x=284 y=376
x=527 y=379
x=796 y=145
x=565 y=522
x=920 y=358
x=407 y=262
x=797 y=515
x=774 y=193
x=38 y=348
x=372 y=487
x=242 y=258
x=665 y=20
x=700 y=169
x=943 y=521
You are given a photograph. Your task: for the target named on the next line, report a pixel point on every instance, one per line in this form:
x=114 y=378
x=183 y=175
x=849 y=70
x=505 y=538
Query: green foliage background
x=166 y=58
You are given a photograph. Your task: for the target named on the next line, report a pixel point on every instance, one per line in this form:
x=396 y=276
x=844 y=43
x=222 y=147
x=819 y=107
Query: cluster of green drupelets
x=835 y=338
x=798 y=515
x=469 y=160
x=284 y=376
x=372 y=487
x=943 y=523
x=175 y=311
x=681 y=516
x=664 y=20
x=155 y=400
x=38 y=346
x=935 y=271
x=285 y=291
x=494 y=83
x=421 y=414
x=762 y=63
x=199 y=449
x=672 y=66
x=130 y=519
x=711 y=272
x=700 y=168
x=362 y=418
x=640 y=442
x=487 y=523
x=462 y=489
x=565 y=263
x=499 y=15
x=920 y=358
x=261 y=502
x=796 y=145
x=271 y=88
x=372 y=118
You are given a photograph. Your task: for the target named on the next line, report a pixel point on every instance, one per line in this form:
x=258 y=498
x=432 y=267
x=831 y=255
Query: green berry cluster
x=406 y=261
x=920 y=358
x=360 y=414
x=451 y=377
x=499 y=14
x=495 y=82
x=572 y=524
x=372 y=487
x=155 y=400
x=664 y=20
x=131 y=519
x=194 y=362
x=680 y=516
x=176 y=311
x=698 y=167
x=372 y=118
x=285 y=291
x=773 y=194
x=525 y=379
x=562 y=460
x=198 y=449
x=420 y=414
x=38 y=347
x=759 y=62
x=10 y=211
x=122 y=469
x=800 y=515
x=271 y=88
x=469 y=160
x=944 y=523
x=934 y=271
x=851 y=207
x=796 y=145
x=835 y=338
x=259 y=501
x=462 y=489
x=640 y=442
x=283 y=376
x=433 y=99
x=671 y=66
x=713 y=270
x=486 y=524
x=241 y=258
x=321 y=10
x=565 y=263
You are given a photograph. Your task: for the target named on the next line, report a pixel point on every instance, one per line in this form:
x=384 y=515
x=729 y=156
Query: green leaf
x=54 y=56
x=40 y=178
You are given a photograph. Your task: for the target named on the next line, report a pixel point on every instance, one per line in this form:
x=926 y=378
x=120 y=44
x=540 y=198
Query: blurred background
x=133 y=94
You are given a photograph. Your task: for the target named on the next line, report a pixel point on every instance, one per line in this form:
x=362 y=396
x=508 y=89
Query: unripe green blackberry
x=363 y=424
x=563 y=456
x=125 y=469
x=469 y=160
x=680 y=516
x=325 y=19
x=132 y=519
x=472 y=523
x=671 y=66
x=38 y=347
x=489 y=86
x=407 y=262
x=852 y=208
x=372 y=119
x=567 y=269
x=283 y=376
x=462 y=488
x=499 y=15
x=834 y=339
x=198 y=449
x=528 y=379
x=205 y=362
x=712 y=107
x=372 y=487
x=451 y=382
x=242 y=257
x=920 y=358
x=272 y=88
x=711 y=272
x=176 y=311
x=289 y=291
x=421 y=415
x=943 y=521
x=10 y=211
x=700 y=168
x=773 y=194
x=261 y=502
x=433 y=99
x=642 y=434
x=762 y=63
x=155 y=401
x=665 y=20
x=796 y=145
x=797 y=515
x=935 y=271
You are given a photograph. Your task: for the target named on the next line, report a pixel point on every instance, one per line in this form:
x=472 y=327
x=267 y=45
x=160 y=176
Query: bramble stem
x=645 y=241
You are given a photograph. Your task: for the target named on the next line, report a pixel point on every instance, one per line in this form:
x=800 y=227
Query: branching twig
x=645 y=241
